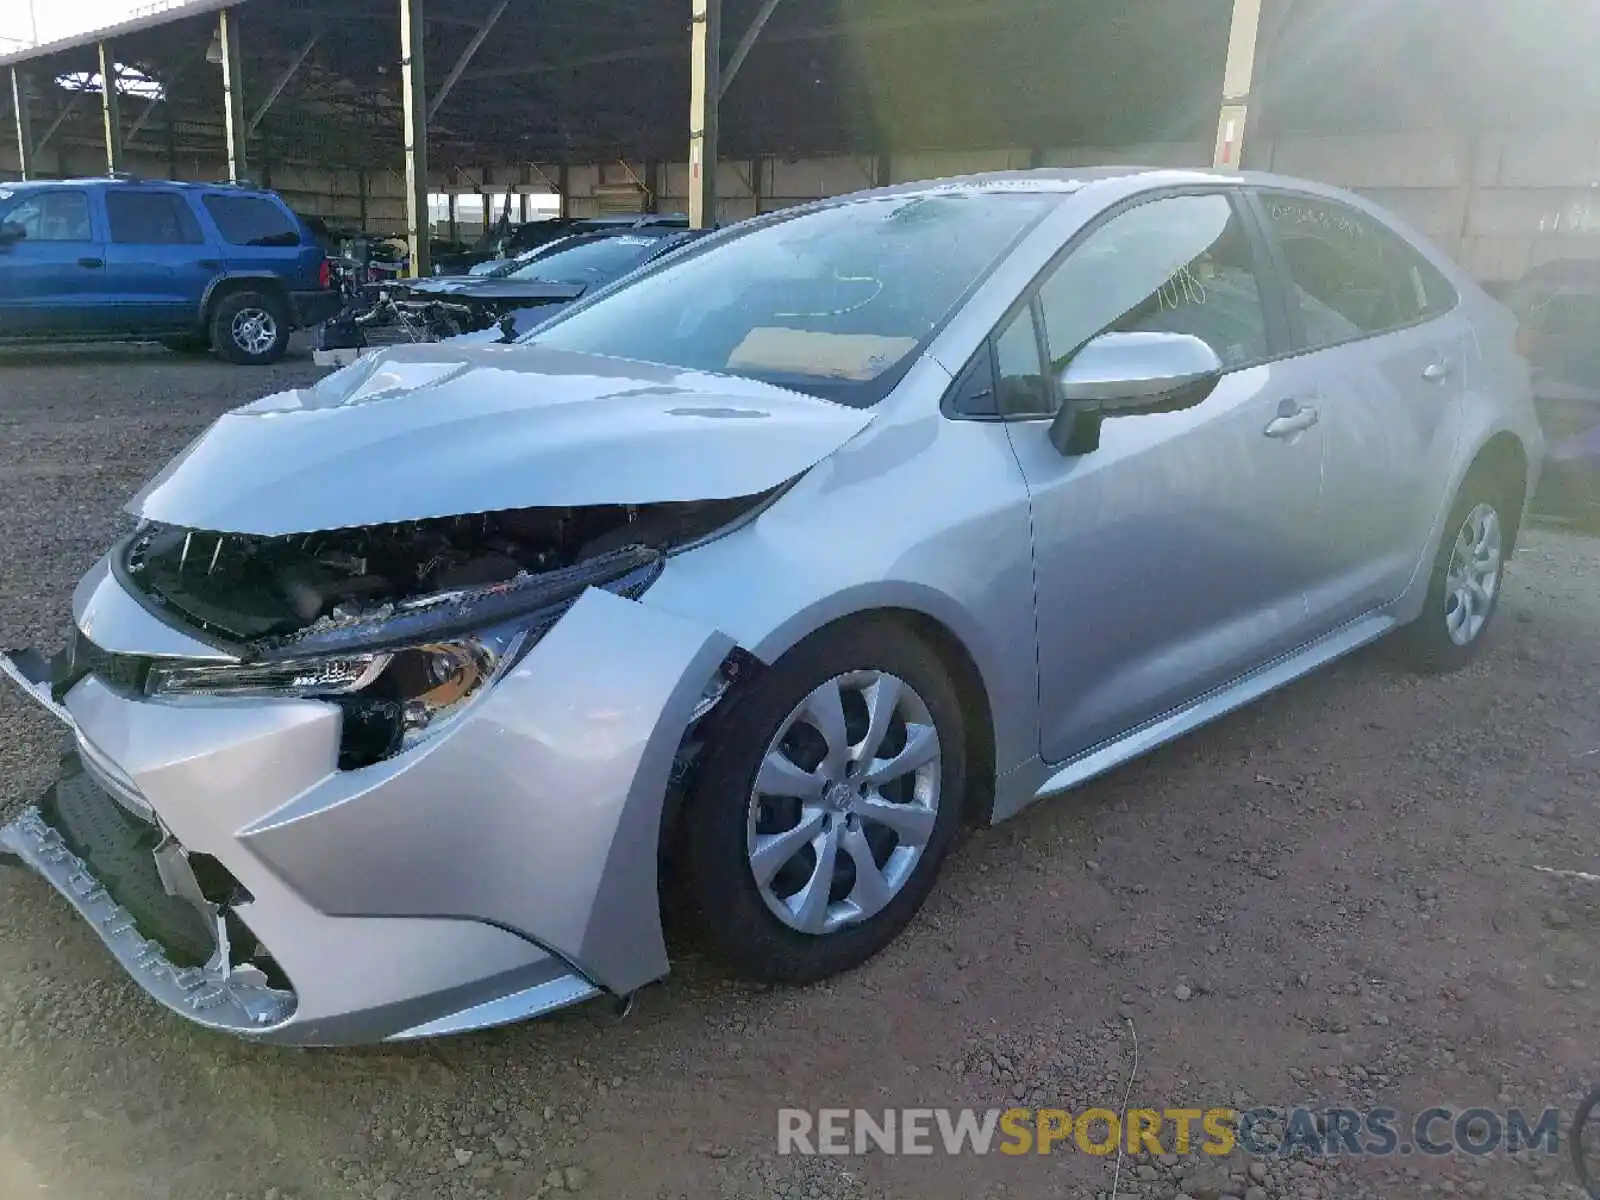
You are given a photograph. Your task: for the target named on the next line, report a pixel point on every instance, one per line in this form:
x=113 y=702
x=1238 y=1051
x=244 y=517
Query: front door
x=1176 y=556
x=158 y=264
x=52 y=264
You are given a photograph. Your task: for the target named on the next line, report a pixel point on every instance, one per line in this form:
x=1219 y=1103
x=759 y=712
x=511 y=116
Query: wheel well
x=978 y=803
x=253 y=283
x=1504 y=460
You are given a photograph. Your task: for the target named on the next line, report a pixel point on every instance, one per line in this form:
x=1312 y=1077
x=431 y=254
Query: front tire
x=830 y=793
x=1468 y=577
x=250 y=328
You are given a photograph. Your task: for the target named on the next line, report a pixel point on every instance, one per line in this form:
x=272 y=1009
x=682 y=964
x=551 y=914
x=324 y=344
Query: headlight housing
x=404 y=672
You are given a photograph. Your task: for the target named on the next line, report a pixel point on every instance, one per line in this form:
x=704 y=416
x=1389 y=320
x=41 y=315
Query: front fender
x=539 y=813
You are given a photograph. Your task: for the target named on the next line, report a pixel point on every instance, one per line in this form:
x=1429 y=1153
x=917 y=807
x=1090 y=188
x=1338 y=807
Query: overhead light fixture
x=214 y=50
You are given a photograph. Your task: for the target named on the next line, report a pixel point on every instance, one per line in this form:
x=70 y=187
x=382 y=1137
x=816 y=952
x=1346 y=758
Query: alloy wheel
x=254 y=330
x=1473 y=577
x=844 y=802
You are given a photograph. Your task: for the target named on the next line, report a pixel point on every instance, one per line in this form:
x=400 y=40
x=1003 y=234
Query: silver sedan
x=752 y=579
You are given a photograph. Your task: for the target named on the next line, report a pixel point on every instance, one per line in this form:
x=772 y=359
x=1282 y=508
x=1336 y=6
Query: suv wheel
x=830 y=792
x=250 y=328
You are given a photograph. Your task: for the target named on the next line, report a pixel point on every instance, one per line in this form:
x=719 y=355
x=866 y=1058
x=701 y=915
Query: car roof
x=243 y=189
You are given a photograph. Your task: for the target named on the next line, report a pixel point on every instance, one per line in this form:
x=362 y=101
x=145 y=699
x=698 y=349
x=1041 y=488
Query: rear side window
x=51 y=217
x=151 y=219
x=1350 y=276
x=252 y=221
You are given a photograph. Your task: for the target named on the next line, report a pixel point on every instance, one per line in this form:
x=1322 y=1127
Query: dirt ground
x=1328 y=898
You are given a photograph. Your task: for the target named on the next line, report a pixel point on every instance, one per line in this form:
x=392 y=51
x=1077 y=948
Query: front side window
x=835 y=301
x=252 y=221
x=51 y=217
x=151 y=219
x=1350 y=277
x=1181 y=264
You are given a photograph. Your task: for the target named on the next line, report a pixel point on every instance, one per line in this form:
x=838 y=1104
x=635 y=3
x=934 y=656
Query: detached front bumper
x=501 y=870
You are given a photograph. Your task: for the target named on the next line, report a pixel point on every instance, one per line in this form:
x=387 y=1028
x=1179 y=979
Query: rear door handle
x=1290 y=423
x=1437 y=371
x=94 y=264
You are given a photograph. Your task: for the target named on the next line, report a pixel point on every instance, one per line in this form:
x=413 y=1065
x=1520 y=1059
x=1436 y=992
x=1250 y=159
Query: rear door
x=158 y=262
x=260 y=236
x=52 y=268
x=1386 y=350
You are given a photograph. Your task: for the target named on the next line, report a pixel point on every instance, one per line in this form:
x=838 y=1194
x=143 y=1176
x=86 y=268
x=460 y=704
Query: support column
x=233 y=95
x=565 y=209
x=705 y=85
x=1237 y=77
x=111 y=107
x=413 y=79
x=19 y=101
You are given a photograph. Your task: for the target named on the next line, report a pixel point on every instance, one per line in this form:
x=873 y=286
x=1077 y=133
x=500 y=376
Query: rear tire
x=794 y=888
x=250 y=328
x=1467 y=580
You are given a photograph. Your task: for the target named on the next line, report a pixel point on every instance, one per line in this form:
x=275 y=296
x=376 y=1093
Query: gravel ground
x=1327 y=898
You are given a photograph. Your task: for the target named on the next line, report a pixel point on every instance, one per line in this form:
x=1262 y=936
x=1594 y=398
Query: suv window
x=1181 y=264
x=252 y=221
x=1351 y=276
x=151 y=219
x=52 y=217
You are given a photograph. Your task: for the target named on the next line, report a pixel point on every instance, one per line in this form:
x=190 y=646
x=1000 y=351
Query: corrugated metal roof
x=155 y=20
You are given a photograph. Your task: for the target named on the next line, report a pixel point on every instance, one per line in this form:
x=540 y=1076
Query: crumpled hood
x=442 y=430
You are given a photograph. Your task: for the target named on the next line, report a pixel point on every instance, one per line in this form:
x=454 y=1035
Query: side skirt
x=1099 y=759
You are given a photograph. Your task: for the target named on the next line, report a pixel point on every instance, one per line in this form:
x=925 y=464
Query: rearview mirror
x=1128 y=374
x=11 y=232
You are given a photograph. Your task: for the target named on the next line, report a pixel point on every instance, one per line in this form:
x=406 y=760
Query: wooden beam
x=238 y=133
x=110 y=107
x=705 y=66
x=281 y=82
x=465 y=58
x=746 y=43
x=19 y=102
x=413 y=85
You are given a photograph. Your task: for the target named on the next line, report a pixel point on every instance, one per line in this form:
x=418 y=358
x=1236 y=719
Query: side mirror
x=1127 y=374
x=11 y=232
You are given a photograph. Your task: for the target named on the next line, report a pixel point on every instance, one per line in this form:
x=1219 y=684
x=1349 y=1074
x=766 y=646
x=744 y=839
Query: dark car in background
x=528 y=291
x=193 y=266
x=1558 y=305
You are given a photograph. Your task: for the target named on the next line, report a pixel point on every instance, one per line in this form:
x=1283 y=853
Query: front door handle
x=210 y=264
x=93 y=264
x=1437 y=371
x=1290 y=423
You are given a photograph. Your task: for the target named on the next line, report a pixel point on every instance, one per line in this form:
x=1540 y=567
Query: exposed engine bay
x=248 y=588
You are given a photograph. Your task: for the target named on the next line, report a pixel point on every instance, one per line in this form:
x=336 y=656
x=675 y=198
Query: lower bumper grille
x=118 y=850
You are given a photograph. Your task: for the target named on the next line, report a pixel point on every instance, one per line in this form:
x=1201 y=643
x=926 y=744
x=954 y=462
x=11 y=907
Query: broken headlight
x=402 y=671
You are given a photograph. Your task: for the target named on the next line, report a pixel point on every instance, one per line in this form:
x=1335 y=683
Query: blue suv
x=193 y=266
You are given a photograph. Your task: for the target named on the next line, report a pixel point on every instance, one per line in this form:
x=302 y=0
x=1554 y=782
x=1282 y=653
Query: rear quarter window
x=252 y=221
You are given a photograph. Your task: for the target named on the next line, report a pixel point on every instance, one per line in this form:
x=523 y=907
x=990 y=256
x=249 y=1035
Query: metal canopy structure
x=369 y=84
x=581 y=80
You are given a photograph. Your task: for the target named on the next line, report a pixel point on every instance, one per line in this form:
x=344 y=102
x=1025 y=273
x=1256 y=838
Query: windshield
x=599 y=260
x=830 y=301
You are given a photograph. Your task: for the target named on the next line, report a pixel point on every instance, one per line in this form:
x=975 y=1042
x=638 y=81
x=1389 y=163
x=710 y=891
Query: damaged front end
x=368 y=642
x=400 y=625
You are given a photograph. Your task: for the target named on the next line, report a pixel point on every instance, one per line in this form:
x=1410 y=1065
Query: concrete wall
x=1499 y=202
